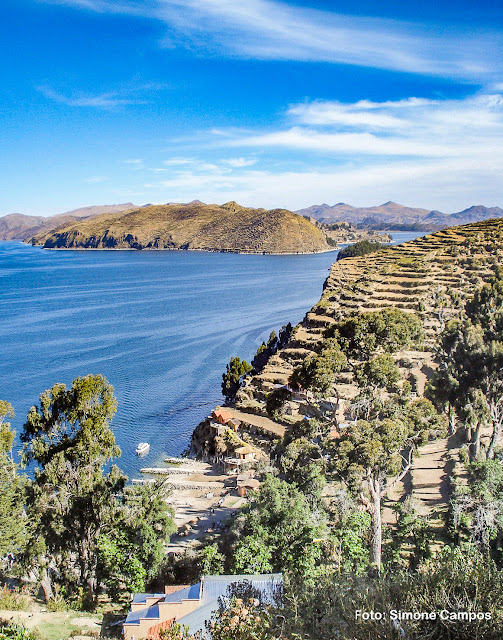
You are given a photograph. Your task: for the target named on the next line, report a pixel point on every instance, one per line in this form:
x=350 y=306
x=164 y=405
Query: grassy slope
x=193 y=226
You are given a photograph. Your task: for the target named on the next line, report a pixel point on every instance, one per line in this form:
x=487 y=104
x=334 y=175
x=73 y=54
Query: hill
x=391 y=215
x=17 y=226
x=192 y=226
x=430 y=277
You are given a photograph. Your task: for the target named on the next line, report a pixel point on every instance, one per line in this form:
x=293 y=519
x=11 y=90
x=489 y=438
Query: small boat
x=142 y=448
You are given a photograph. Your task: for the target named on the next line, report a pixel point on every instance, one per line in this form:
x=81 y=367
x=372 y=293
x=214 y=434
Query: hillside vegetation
x=192 y=226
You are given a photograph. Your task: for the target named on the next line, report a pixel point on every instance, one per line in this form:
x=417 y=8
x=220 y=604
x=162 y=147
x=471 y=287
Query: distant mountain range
x=17 y=226
x=192 y=226
x=391 y=215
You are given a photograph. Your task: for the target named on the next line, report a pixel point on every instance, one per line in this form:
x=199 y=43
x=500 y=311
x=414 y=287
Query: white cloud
x=238 y=163
x=179 y=161
x=443 y=154
x=102 y=101
x=272 y=30
x=413 y=127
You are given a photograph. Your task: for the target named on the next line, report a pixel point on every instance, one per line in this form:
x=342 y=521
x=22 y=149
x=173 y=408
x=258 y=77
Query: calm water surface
x=159 y=325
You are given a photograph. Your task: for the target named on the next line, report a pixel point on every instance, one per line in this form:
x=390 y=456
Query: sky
x=272 y=104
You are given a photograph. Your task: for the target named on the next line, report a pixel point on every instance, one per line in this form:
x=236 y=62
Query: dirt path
x=259 y=421
x=429 y=480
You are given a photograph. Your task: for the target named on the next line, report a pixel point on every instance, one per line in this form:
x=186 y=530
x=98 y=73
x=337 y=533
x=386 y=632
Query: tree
x=211 y=560
x=384 y=331
x=119 y=565
x=317 y=372
x=361 y=248
x=303 y=463
x=72 y=500
x=477 y=510
x=231 y=379
x=472 y=366
x=243 y=621
x=365 y=457
x=277 y=530
x=13 y=521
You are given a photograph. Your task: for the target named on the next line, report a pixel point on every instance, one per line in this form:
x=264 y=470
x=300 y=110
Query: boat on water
x=142 y=448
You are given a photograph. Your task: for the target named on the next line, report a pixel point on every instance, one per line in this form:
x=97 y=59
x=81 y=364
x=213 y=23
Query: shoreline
x=242 y=253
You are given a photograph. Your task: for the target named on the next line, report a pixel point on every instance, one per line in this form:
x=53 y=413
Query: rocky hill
x=391 y=215
x=192 y=226
x=17 y=226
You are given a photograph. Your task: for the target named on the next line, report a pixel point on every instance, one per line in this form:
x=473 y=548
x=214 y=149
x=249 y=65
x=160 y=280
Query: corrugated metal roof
x=213 y=587
x=196 y=621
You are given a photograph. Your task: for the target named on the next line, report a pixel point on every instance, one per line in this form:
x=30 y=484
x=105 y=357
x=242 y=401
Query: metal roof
x=189 y=593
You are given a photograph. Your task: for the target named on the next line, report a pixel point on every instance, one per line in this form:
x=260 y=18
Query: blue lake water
x=160 y=326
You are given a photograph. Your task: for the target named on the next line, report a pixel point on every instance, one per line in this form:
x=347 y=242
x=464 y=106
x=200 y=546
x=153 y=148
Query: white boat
x=142 y=448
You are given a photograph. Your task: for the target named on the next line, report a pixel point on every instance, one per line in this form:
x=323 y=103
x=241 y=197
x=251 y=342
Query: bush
x=361 y=248
x=13 y=600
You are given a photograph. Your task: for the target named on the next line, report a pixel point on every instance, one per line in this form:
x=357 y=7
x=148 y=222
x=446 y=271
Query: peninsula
x=193 y=226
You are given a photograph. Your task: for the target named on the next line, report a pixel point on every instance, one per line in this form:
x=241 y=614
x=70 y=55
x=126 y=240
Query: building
x=222 y=415
x=189 y=605
x=245 y=483
x=245 y=453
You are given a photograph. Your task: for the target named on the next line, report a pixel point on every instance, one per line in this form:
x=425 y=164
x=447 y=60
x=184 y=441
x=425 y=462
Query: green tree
x=231 y=379
x=317 y=372
x=361 y=248
x=385 y=331
x=303 y=463
x=279 y=527
x=13 y=521
x=72 y=499
x=211 y=561
x=119 y=565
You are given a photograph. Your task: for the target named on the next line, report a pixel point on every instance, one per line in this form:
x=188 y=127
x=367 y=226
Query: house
x=245 y=453
x=245 y=483
x=222 y=415
x=189 y=605
x=234 y=424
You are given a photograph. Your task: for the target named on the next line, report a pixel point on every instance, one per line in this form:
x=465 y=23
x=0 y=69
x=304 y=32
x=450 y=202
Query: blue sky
x=273 y=104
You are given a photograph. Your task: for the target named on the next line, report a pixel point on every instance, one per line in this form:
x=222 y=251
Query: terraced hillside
x=431 y=277
x=427 y=276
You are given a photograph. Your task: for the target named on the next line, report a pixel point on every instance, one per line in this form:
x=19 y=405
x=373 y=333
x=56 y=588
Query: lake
x=159 y=325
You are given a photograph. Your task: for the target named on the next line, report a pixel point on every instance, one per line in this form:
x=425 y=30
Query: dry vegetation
x=193 y=226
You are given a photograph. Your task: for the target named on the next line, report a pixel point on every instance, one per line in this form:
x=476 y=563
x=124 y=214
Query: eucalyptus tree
x=72 y=499
x=13 y=521
x=470 y=375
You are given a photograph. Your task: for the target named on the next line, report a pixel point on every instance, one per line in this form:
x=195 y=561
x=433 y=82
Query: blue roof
x=189 y=593
x=142 y=597
x=216 y=586
x=134 y=617
x=196 y=620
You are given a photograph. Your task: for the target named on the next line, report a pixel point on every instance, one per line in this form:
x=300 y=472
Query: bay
x=159 y=325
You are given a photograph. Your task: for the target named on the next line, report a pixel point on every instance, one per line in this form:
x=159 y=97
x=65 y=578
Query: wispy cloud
x=430 y=153
x=238 y=163
x=272 y=30
x=412 y=127
x=101 y=101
